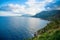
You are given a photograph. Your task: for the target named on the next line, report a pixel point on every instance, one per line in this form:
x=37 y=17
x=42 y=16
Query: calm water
x=18 y=28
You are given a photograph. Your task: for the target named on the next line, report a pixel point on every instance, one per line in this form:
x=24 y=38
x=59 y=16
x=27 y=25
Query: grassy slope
x=50 y=32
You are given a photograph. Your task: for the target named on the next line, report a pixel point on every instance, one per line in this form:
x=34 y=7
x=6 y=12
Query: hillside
x=52 y=30
x=48 y=14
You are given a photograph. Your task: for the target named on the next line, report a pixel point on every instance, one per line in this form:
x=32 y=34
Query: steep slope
x=48 y=14
x=52 y=30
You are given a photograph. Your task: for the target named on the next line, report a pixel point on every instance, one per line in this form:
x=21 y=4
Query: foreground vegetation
x=50 y=32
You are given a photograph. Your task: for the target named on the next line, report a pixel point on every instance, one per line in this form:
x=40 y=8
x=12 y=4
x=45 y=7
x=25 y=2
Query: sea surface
x=19 y=28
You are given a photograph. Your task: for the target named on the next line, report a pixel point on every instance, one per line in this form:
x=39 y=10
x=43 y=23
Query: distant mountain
x=26 y=15
x=48 y=14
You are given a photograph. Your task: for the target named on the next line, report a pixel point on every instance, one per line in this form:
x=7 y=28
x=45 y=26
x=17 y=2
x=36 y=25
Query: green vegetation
x=51 y=35
x=50 y=32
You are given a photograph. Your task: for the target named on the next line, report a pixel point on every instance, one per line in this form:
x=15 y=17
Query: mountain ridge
x=48 y=14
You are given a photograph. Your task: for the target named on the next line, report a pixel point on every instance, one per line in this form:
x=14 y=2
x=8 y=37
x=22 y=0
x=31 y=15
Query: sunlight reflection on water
x=20 y=27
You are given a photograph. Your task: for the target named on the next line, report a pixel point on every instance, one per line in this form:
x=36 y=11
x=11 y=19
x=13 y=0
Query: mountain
x=26 y=15
x=48 y=14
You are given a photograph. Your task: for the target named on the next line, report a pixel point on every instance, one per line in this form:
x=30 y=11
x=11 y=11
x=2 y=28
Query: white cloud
x=31 y=7
x=5 y=13
x=56 y=7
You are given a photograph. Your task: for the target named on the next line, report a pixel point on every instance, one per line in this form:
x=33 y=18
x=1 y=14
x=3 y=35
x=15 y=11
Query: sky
x=31 y=7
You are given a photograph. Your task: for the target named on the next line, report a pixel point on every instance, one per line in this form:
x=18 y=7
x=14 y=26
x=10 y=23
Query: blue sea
x=20 y=28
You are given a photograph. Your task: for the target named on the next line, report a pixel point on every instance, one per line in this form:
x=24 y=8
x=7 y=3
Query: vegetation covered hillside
x=51 y=31
x=48 y=14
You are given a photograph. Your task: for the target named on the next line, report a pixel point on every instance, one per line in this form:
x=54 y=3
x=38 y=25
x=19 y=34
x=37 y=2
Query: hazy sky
x=20 y=7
